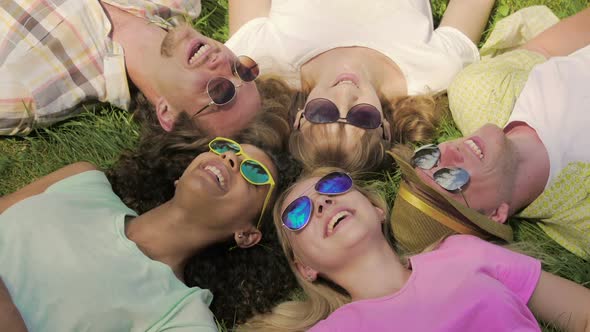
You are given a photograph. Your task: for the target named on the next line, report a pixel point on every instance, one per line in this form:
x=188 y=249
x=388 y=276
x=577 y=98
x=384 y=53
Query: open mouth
x=475 y=148
x=197 y=51
x=346 y=79
x=335 y=221
x=217 y=174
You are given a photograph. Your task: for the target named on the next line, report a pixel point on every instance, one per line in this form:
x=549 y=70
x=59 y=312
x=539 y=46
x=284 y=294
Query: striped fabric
x=55 y=54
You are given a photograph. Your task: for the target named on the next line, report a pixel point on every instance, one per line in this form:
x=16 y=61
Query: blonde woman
x=353 y=61
x=333 y=235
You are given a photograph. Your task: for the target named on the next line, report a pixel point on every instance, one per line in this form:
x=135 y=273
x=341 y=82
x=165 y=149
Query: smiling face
x=213 y=187
x=489 y=158
x=339 y=226
x=189 y=61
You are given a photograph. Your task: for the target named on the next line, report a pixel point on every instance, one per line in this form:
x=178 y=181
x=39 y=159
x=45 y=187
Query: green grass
x=100 y=132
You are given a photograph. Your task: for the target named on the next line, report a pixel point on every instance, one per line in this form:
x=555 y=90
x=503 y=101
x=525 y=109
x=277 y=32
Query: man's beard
x=173 y=37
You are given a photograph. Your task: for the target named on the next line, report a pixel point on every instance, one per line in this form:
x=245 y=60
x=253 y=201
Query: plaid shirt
x=55 y=54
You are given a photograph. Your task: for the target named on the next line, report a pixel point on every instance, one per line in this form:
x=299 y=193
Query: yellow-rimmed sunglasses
x=252 y=170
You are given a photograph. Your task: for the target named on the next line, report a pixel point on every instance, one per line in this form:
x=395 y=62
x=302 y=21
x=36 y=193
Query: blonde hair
x=411 y=119
x=322 y=297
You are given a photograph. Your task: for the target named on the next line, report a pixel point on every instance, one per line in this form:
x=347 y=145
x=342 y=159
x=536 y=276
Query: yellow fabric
x=434 y=213
x=485 y=92
x=563 y=209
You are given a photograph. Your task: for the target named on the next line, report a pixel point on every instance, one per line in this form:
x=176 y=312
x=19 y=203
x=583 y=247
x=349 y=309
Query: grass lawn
x=100 y=132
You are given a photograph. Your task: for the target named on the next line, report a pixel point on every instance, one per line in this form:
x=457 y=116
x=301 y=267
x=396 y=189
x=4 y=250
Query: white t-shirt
x=68 y=266
x=296 y=31
x=555 y=102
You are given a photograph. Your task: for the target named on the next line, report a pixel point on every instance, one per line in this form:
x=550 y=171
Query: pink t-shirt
x=465 y=285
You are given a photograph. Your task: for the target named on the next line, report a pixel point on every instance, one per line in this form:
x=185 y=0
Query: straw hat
x=421 y=215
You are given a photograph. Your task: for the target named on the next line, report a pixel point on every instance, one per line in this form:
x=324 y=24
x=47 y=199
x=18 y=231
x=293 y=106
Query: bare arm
x=43 y=183
x=562 y=302
x=242 y=11
x=565 y=37
x=468 y=16
x=10 y=318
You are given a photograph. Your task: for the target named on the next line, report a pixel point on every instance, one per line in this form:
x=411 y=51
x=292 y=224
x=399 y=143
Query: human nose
x=345 y=97
x=450 y=155
x=322 y=203
x=231 y=160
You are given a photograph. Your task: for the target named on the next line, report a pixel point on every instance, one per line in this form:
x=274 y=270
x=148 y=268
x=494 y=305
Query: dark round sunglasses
x=222 y=91
x=298 y=213
x=451 y=179
x=322 y=110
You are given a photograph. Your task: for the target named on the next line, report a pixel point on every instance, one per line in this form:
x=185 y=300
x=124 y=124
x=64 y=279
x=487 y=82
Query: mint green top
x=68 y=265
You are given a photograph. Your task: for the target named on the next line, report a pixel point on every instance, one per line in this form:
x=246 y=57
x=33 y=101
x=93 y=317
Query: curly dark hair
x=244 y=281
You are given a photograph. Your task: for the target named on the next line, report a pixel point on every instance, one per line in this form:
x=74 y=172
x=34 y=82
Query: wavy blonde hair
x=411 y=119
x=322 y=297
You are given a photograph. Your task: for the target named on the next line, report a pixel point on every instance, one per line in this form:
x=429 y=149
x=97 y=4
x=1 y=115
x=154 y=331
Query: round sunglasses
x=298 y=213
x=222 y=91
x=451 y=179
x=251 y=170
x=322 y=110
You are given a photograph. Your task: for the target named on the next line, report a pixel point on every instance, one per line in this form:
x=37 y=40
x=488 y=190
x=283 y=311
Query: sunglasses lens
x=334 y=183
x=426 y=157
x=364 y=116
x=221 y=90
x=297 y=214
x=321 y=111
x=254 y=172
x=246 y=68
x=451 y=178
x=221 y=146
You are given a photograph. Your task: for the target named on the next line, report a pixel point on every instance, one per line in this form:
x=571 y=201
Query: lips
x=475 y=146
x=346 y=78
x=219 y=174
x=197 y=51
x=335 y=221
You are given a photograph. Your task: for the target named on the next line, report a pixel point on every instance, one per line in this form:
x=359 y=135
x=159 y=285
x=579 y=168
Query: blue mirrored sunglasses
x=449 y=178
x=298 y=213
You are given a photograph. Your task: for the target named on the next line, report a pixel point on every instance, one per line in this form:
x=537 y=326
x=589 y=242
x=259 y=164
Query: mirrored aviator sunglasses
x=321 y=110
x=252 y=170
x=451 y=179
x=298 y=213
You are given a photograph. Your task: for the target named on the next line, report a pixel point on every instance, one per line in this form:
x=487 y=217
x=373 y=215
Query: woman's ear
x=247 y=238
x=297 y=121
x=305 y=271
x=165 y=113
x=380 y=213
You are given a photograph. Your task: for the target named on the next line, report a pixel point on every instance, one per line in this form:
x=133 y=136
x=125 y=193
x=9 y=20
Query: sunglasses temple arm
x=265 y=204
x=465 y=199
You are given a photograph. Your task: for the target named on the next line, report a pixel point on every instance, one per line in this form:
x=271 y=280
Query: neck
x=532 y=163
x=141 y=42
x=391 y=276
x=382 y=72
x=168 y=235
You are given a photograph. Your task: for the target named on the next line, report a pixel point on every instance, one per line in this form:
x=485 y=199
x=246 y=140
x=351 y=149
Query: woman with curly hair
x=129 y=265
x=360 y=67
x=334 y=236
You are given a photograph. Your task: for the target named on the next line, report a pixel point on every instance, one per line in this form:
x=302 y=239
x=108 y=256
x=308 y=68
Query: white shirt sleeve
x=452 y=41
